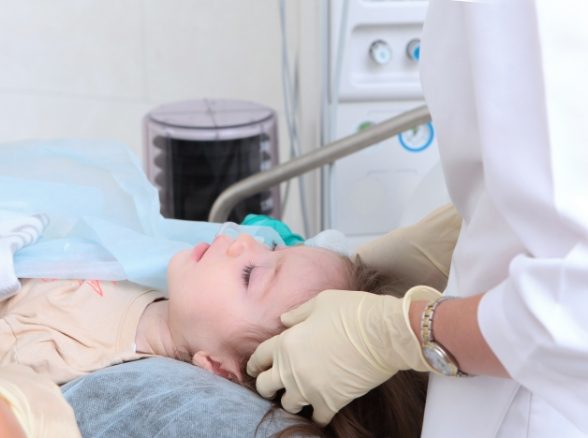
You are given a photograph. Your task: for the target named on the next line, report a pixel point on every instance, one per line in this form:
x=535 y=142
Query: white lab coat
x=506 y=83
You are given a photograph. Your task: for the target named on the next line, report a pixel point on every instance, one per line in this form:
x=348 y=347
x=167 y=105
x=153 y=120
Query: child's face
x=220 y=291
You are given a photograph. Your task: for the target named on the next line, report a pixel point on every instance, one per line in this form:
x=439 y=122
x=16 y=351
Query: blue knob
x=413 y=49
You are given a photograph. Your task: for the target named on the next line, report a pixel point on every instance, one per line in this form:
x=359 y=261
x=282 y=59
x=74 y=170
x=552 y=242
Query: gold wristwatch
x=435 y=354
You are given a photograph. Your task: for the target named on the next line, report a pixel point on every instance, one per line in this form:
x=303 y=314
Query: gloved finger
x=292 y=401
x=322 y=415
x=263 y=357
x=298 y=314
x=268 y=383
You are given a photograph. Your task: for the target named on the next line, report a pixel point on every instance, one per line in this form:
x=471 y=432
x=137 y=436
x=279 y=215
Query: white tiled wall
x=93 y=68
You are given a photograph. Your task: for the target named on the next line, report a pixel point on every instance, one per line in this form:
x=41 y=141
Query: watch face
x=439 y=360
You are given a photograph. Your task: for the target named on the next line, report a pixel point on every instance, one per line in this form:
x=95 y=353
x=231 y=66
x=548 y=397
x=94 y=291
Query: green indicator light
x=364 y=125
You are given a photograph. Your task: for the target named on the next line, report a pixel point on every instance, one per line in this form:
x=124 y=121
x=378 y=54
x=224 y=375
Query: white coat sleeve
x=532 y=103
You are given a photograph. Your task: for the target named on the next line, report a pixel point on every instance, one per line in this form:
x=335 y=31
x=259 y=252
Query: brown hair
x=393 y=409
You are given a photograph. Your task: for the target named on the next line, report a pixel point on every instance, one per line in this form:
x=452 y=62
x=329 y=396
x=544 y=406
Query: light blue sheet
x=105 y=221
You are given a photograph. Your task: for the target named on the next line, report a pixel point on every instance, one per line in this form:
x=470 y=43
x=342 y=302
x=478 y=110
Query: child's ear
x=204 y=360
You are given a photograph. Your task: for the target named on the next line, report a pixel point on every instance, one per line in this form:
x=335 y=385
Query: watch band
x=427 y=319
x=429 y=338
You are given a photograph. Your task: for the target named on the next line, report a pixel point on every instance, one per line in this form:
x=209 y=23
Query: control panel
x=398 y=180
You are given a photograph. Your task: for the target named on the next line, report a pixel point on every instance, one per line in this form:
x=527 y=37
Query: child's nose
x=242 y=243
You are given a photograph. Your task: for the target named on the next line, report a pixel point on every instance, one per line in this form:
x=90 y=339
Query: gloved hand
x=340 y=344
x=416 y=255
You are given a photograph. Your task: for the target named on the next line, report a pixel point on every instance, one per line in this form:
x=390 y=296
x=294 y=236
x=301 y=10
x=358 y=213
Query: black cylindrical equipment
x=195 y=149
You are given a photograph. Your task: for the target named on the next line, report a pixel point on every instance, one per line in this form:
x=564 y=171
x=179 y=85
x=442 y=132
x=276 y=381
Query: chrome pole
x=312 y=160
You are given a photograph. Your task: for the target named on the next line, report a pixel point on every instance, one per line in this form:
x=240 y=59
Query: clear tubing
x=229 y=229
x=262 y=234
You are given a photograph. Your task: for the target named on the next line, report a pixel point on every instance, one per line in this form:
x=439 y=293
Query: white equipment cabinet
x=399 y=180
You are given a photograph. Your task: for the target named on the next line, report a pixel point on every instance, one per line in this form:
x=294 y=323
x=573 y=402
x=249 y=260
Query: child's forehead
x=322 y=264
x=312 y=254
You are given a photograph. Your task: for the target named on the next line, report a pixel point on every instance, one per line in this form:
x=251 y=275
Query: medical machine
x=195 y=149
x=371 y=74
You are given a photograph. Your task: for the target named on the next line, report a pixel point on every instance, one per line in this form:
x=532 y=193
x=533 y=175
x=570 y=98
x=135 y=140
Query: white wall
x=93 y=68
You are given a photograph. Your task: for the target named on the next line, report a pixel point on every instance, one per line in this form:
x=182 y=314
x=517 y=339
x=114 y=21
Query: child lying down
x=223 y=299
x=209 y=304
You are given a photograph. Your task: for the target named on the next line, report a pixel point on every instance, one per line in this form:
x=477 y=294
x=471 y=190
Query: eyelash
x=247 y=270
x=246 y=274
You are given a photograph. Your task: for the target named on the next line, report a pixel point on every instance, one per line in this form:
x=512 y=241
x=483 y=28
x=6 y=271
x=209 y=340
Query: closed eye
x=246 y=274
x=247 y=270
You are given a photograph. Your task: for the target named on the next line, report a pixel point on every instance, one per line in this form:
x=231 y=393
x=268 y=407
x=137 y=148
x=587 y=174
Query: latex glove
x=418 y=254
x=37 y=403
x=340 y=345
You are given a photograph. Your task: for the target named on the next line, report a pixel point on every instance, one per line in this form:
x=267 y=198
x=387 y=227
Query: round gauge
x=380 y=52
x=417 y=139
